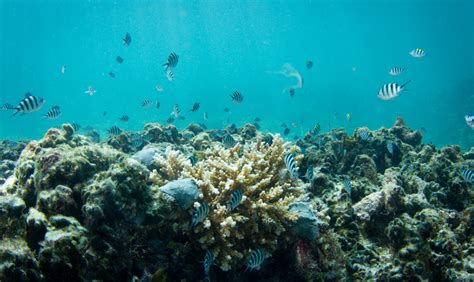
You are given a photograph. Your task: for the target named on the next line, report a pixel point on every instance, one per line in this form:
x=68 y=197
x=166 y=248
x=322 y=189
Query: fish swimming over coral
x=391 y=147
x=228 y=141
x=235 y=199
x=28 y=105
x=255 y=260
x=200 y=214
x=390 y=91
x=467 y=175
x=291 y=165
x=364 y=135
x=309 y=173
x=76 y=126
x=53 y=113
x=347 y=186
x=267 y=139
x=114 y=131
x=417 y=53
x=236 y=97
x=208 y=262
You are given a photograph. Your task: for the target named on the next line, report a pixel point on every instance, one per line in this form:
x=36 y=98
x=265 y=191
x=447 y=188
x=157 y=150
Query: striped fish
x=208 y=262
x=235 y=199
x=347 y=186
x=124 y=118
x=417 y=53
x=316 y=129
x=193 y=160
x=172 y=61
x=7 y=106
x=195 y=107
x=467 y=175
x=291 y=165
x=228 y=141
x=176 y=111
x=54 y=113
x=256 y=259
x=157 y=104
x=76 y=126
x=469 y=121
x=267 y=139
x=170 y=120
x=390 y=91
x=28 y=105
x=391 y=147
x=127 y=39
x=396 y=71
x=364 y=135
x=237 y=97
x=200 y=214
x=114 y=131
x=309 y=173
x=147 y=103
x=169 y=75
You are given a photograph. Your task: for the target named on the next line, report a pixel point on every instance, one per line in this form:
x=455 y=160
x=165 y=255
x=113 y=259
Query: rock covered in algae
x=184 y=191
x=307 y=224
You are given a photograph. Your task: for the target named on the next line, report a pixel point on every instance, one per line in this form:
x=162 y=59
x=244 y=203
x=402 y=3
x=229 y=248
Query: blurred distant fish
x=114 y=131
x=237 y=97
x=391 y=90
x=112 y=75
x=283 y=125
x=119 y=59
x=147 y=103
x=169 y=75
x=127 y=39
x=469 y=121
x=347 y=186
x=256 y=259
x=172 y=61
x=91 y=91
x=292 y=92
x=309 y=173
x=7 y=106
x=395 y=71
x=170 y=120
x=104 y=113
x=76 y=126
x=124 y=118
x=309 y=64
x=226 y=110
x=176 y=111
x=208 y=262
x=316 y=129
x=257 y=119
x=63 y=69
x=157 y=104
x=54 y=113
x=159 y=88
x=28 y=105
x=364 y=135
x=235 y=199
x=290 y=164
x=467 y=175
x=200 y=214
x=391 y=147
x=286 y=131
x=204 y=115
x=228 y=141
x=417 y=53
x=193 y=160
x=195 y=107
x=348 y=117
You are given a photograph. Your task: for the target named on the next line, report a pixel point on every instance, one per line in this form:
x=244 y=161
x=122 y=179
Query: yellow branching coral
x=261 y=219
x=171 y=165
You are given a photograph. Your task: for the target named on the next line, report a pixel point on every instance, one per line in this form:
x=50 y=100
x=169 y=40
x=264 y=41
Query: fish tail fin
x=403 y=85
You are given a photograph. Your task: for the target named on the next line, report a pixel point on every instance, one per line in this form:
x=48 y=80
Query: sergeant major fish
x=200 y=214
x=235 y=199
x=256 y=259
x=290 y=164
x=390 y=91
x=54 y=113
x=28 y=105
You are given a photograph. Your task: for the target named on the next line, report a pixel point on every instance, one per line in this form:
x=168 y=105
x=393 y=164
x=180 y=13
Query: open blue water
x=235 y=45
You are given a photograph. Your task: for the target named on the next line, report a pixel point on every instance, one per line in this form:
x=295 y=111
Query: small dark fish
x=176 y=111
x=364 y=135
x=119 y=59
x=237 y=97
x=228 y=141
x=112 y=75
x=54 y=113
x=235 y=199
x=309 y=173
x=316 y=129
x=7 y=106
x=347 y=186
x=268 y=139
x=309 y=64
x=290 y=164
x=157 y=104
x=257 y=119
x=283 y=125
x=467 y=175
x=104 y=113
x=422 y=129
x=114 y=131
x=200 y=214
x=147 y=103
x=286 y=131
x=127 y=39
x=75 y=126
x=170 y=120
x=195 y=107
x=226 y=110
x=124 y=118
x=257 y=126
x=28 y=105
x=172 y=61
x=208 y=262
x=256 y=259
x=169 y=75
x=292 y=92
x=193 y=160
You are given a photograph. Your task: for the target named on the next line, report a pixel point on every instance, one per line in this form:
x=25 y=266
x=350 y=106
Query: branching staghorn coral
x=261 y=219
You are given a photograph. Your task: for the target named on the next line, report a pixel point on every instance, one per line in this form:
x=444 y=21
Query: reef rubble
x=385 y=207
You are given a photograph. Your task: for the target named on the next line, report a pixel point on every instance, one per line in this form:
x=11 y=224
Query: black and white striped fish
x=54 y=113
x=347 y=186
x=114 y=130
x=170 y=120
x=228 y=141
x=124 y=118
x=364 y=135
x=309 y=174
x=267 y=139
x=169 y=75
x=237 y=97
x=76 y=126
x=390 y=91
x=417 y=53
x=235 y=199
x=195 y=107
x=127 y=39
x=200 y=214
x=467 y=175
x=172 y=61
x=291 y=165
x=208 y=262
x=255 y=260
x=396 y=71
x=7 y=106
x=147 y=103
x=29 y=104
x=391 y=147
x=176 y=111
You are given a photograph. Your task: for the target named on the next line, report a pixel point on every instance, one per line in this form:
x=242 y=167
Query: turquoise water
x=228 y=46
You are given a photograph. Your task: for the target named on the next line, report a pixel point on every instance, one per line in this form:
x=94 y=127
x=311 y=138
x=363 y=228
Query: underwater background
x=225 y=46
